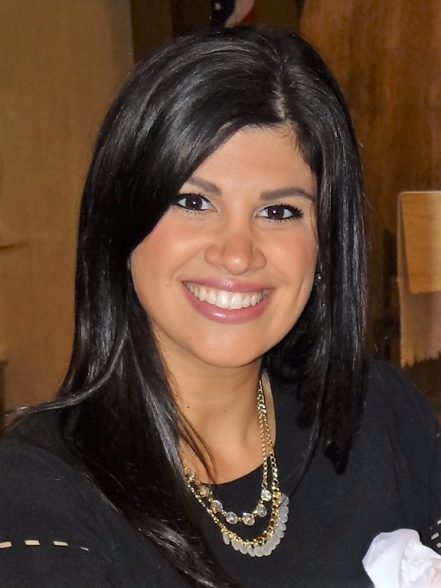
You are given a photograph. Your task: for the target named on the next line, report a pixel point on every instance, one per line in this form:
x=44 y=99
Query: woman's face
x=229 y=268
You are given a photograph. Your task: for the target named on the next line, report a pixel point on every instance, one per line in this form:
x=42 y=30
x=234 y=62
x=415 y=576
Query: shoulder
x=37 y=473
x=399 y=422
x=401 y=435
x=49 y=532
x=391 y=396
x=57 y=530
x=400 y=415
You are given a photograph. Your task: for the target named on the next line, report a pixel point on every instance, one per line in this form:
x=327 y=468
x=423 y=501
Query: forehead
x=260 y=156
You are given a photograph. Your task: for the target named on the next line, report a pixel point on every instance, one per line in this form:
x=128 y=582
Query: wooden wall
x=61 y=62
x=387 y=57
x=158 y=20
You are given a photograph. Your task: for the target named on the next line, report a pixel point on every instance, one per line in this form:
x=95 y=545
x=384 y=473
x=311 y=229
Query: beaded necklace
x=272 y=503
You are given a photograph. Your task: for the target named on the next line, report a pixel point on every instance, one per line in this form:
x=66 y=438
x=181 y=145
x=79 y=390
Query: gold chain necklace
x=272 y=503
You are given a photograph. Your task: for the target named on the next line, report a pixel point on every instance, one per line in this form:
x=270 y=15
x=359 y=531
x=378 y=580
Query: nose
x=235 y=252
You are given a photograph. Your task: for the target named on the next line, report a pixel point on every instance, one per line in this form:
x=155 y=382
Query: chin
x=229 y=360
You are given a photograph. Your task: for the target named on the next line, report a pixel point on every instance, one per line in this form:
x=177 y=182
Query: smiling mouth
x=227 y=300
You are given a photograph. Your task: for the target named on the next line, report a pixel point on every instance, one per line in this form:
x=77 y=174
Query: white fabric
x=400 y=560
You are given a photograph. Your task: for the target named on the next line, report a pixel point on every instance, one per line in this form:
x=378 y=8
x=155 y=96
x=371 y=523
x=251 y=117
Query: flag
x=229 y=13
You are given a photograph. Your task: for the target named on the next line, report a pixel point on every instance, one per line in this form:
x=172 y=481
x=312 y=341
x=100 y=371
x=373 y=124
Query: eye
x=193 y=202
x=281 y=212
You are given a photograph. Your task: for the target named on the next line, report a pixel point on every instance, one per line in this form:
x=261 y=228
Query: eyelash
x=194 y=197
x=296 y=213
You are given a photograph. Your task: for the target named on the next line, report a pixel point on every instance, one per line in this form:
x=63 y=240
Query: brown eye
x=281 y=212
x=194 y=202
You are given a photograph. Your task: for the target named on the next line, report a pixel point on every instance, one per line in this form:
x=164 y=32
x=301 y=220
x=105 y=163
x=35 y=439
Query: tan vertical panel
x=62 y=61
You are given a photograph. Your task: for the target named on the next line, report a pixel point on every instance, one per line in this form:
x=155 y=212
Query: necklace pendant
x=265 y=495
x=261 y=510
x=248 y=519
x=232 y=518
x=217 y=506
x=204 y=490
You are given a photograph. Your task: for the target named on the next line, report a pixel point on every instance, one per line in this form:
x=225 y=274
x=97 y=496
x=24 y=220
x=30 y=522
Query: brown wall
x=152 y=24
x=61 y=63
x=278 y=13
x=387 y=57
x=157 y=20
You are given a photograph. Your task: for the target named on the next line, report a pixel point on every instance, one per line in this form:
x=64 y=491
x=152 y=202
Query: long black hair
x=178 y=107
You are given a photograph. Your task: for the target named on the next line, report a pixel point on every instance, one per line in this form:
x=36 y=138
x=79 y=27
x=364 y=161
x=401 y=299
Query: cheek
x=151 y=255
x=157 y=259
x=298 y=255
x=146 y=268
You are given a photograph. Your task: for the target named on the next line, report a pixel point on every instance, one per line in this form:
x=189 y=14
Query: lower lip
x=225 y=315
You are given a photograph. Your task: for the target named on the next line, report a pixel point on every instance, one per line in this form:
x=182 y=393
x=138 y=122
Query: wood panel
x=61 y=64
x=386 y=55
x=152 y=24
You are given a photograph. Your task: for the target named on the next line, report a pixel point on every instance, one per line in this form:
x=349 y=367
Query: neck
x=220 y=406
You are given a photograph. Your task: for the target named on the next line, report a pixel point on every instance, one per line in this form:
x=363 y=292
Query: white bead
x=217 y=505
x=261 y=510
x=265 y=494
x=279 y=533
x=258 y=550
x=248 y=519
x=231 y=518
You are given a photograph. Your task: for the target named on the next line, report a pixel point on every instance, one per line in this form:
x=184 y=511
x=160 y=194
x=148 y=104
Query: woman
x=217 y=426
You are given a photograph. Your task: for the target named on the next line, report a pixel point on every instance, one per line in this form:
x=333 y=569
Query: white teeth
x=211 y=298
x=222 y=299
x=236 y=301
x=227 y=300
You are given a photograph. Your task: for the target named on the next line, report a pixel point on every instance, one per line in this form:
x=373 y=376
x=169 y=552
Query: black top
x=57 y=531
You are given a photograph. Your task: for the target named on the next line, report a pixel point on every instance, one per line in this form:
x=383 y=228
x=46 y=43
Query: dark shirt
x=79 y=540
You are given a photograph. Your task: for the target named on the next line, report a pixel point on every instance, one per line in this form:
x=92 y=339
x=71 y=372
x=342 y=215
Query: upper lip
x=229 y=285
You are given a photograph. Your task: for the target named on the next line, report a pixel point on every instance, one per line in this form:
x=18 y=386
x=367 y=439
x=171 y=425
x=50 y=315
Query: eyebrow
x=204 y=185
x=265 y=196
x=284 y=192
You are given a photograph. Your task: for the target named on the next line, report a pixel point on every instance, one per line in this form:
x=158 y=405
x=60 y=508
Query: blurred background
x=61 y=62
